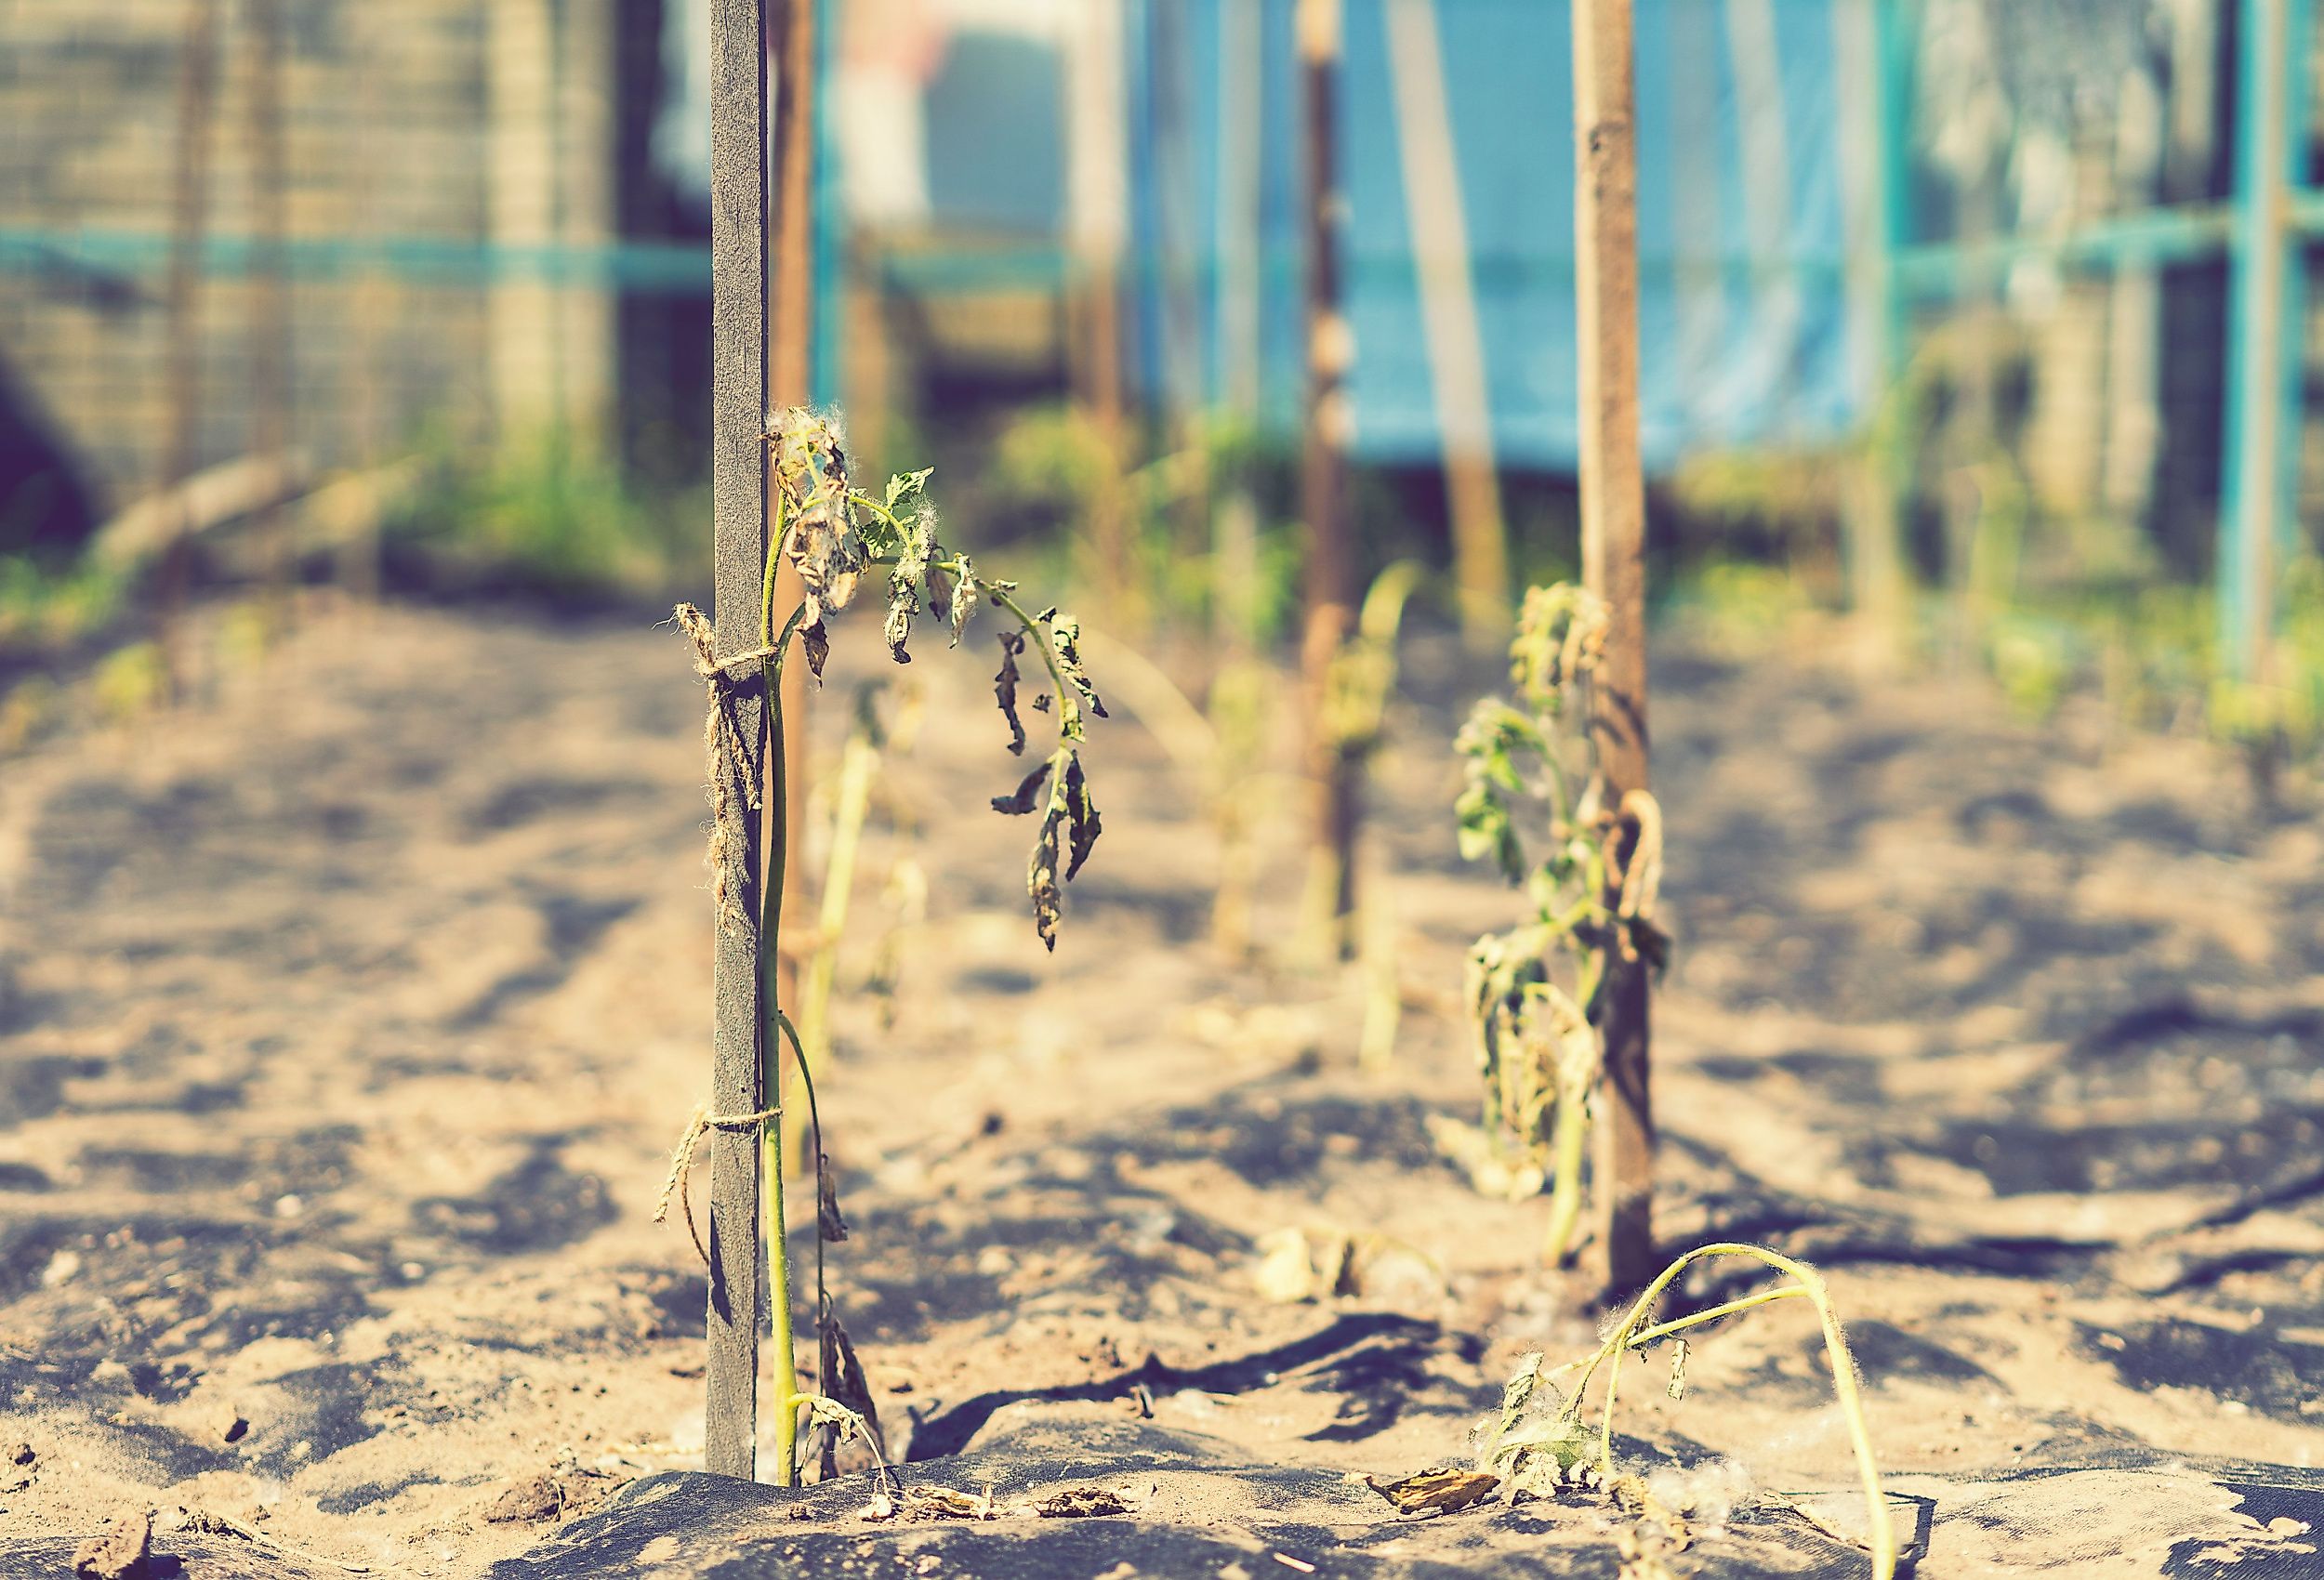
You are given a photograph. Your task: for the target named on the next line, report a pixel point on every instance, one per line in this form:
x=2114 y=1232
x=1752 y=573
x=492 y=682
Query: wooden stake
x=270 y=349
x=791 y=375
x=1098 y=130
x=190 y=201
x=738 y=332
x=1331 y=590
x=1614 y=566
x=1448 y=320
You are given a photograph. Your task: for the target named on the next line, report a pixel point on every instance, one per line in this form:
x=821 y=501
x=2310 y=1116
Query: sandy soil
x=346 y=1024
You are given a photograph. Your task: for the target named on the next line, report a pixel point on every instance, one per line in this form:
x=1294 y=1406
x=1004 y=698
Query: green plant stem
x=853 y=803
x=823 y=1295
x=1882 y=1533
x=1572 y=1129
x=771 y=1012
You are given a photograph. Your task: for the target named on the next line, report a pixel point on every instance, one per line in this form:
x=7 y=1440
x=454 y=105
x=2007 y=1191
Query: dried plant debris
x=1441 y=1490
x=1090 y=1503
x=930 y=1500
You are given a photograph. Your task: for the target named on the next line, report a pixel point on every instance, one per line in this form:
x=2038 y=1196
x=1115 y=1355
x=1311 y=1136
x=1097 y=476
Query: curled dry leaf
x=1440 y=1491
x=1064 y=637
x=928 y=1501
x=1081 y=816
x=1027 y=797
x=1005 y=687
x=828 y=1223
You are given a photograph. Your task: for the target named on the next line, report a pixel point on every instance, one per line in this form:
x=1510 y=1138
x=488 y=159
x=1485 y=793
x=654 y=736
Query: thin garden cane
x=832 y=534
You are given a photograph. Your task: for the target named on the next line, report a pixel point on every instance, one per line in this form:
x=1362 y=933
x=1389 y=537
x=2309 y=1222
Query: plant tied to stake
x=835 y=536
x=1535 y=991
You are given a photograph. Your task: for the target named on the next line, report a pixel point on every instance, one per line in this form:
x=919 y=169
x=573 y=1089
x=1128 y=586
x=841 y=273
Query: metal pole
x=1614 y=566
x=2257 y=517
x=738 y=380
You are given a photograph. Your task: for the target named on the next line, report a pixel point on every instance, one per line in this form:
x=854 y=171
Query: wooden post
x=1241 y=102
x=1331 y=574
x=190 y=203
x=1448 y=317
x=1871 y=49
x=738 y=382
x=1097 y=131
x=270 y=364
x=1614 y=566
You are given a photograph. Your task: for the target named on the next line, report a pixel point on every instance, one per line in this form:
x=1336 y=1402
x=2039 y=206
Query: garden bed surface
x=346 y=1024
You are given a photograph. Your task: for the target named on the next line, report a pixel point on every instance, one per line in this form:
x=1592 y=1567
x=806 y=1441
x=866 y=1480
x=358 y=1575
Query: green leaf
x=905 y=487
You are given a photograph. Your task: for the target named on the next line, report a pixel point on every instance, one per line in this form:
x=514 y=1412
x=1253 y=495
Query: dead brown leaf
x=1440 y=1491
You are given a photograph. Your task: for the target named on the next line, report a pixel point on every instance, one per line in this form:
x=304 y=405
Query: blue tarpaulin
x=1743 y=290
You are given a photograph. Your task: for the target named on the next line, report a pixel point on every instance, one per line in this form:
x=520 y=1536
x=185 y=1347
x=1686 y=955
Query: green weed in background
x=542 y=515
x=46 y=607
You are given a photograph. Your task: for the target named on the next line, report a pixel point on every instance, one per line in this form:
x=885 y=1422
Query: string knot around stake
x=733 y=788
x=681 y=1162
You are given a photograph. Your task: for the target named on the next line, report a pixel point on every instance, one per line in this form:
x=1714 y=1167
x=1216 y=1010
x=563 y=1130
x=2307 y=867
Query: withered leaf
x=1441 y=1490
x=1005 y=687
x=1082 y=813
x=828 y=1222
x=1041 y=881
x=903 y=603
x=1064 y=641
x=845 y=1384
x=1027 y=794
x=815 y=639
x=960 y=597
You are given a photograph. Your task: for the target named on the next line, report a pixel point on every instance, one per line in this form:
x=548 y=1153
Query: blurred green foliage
x=542 y=515
x=46 y=606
